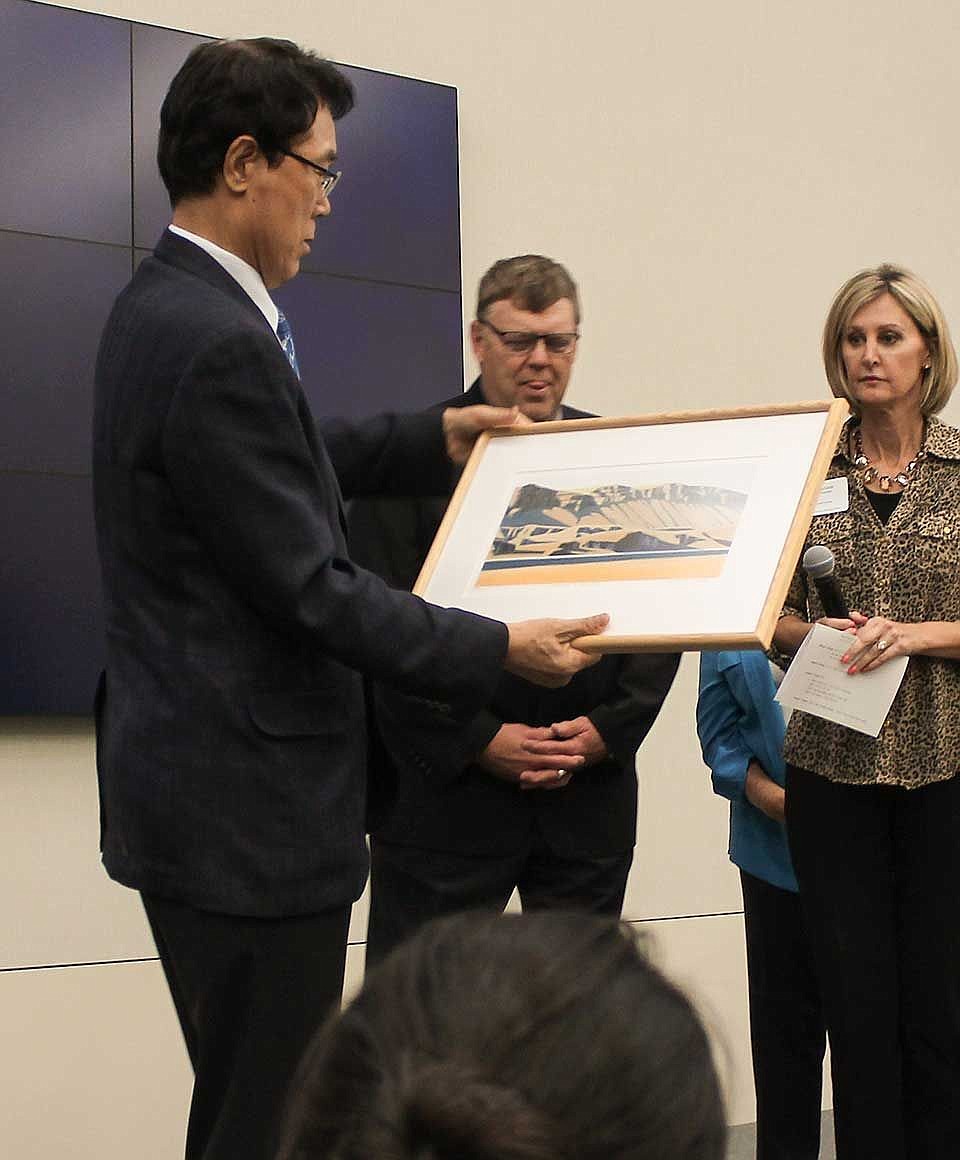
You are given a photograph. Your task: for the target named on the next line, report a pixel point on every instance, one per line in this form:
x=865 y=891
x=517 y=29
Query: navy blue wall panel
x=49 y=329
x=365 y=347
x=51 y=641
x=64 y=123
x=376 y=313
x=396 y=213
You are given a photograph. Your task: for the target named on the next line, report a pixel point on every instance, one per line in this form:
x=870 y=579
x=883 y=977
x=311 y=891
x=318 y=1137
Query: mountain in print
x=612 y=519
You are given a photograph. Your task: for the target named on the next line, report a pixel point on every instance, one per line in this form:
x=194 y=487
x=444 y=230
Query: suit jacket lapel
x=179 y=252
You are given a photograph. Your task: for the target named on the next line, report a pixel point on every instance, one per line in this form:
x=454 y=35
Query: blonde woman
x=874 y=823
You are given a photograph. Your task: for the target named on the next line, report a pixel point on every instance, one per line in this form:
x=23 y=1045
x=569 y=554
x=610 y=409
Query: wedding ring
x=881 y=645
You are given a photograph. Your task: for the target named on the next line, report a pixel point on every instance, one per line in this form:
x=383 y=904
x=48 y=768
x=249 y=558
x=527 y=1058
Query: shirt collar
x=942 y=441
x=240 y=271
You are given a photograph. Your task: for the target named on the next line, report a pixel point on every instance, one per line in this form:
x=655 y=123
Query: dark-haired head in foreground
x=534 y=1037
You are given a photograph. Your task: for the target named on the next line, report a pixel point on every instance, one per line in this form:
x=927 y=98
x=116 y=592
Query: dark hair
x=269 y=89
x=531 y=281
x=514 y=1037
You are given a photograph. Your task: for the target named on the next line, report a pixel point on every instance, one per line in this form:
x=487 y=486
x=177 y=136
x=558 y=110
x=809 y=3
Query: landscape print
x=613 y=531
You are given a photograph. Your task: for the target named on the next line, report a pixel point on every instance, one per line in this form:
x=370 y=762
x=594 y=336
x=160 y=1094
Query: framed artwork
x=684 y=527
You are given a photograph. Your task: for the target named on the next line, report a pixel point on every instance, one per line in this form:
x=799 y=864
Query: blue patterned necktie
x=285 y=334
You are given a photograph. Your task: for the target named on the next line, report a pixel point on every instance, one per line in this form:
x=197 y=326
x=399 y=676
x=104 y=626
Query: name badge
x=834 y=496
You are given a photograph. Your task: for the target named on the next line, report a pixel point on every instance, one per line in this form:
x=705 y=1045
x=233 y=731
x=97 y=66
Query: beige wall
x=710 y=173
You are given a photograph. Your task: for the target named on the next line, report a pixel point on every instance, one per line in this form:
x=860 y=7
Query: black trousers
x=879 y=873
x=787 y=1032
x=249 y=993
x=409 y=886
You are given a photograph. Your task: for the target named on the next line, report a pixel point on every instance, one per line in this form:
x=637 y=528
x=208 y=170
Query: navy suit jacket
x=428 y=790
x=231 y=722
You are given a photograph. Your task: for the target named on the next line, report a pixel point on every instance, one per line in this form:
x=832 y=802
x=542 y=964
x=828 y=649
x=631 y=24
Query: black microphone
x=818 y=563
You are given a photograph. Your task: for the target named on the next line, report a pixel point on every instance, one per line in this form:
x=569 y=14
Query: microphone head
x=818 y=562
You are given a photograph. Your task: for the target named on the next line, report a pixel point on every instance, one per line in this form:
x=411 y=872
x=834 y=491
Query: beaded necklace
x=868 y=473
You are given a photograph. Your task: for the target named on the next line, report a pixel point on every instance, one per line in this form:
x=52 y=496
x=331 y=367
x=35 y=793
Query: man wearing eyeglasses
x=538 y=791
x=231 y=722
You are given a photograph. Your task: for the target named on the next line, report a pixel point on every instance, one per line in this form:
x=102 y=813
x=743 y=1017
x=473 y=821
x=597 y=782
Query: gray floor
x=743 y=1141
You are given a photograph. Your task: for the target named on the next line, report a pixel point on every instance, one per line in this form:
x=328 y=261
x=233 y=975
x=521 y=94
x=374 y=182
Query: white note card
x=834 y=496
x=817 y=683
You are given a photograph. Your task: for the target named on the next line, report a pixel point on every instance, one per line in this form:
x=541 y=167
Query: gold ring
x=882 y=644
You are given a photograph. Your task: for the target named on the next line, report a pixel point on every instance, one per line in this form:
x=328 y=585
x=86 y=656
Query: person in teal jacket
x=741 y=730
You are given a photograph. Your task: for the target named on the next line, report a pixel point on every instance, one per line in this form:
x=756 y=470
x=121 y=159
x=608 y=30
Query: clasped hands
x=877 y=640
x=542 y=757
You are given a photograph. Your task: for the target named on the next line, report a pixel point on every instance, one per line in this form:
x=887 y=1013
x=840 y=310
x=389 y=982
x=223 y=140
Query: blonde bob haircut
x=917 y=300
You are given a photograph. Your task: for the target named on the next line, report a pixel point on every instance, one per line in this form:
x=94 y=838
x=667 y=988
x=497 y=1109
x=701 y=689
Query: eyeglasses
x=328 y=177
x=523 y=341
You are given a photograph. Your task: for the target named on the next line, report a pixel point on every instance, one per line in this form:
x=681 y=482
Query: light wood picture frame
x=685 y=527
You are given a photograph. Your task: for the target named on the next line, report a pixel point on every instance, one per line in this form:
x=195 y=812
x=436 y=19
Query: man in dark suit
x=231 y=719
x=467 y=810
